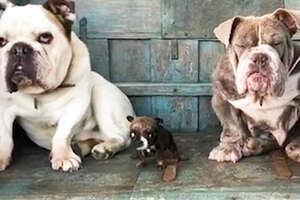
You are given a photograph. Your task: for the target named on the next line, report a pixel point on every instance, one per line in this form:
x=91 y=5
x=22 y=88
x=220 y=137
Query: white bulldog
x=47 y=86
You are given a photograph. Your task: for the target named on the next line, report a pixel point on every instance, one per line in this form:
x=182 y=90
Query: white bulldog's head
x=35 y=47
x=260 y=50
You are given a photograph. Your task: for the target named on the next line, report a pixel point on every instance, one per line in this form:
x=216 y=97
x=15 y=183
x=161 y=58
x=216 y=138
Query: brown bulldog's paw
x=231 y=152
x=293 y=151
x=252 y=146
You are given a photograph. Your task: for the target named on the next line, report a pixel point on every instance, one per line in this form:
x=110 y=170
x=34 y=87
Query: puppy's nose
x=21 y=49
x=260 y=59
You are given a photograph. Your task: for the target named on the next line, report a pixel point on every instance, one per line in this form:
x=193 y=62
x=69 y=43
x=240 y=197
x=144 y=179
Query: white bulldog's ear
x=224 y=31
x=290 y=18
x=65 y=12
x=4 y=4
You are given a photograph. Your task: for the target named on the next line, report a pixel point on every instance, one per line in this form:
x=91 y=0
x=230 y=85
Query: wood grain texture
x=209 y=54
x=197 y=19
x=130 y=60
x=178 y=112
x=183 y=69
x=99 y=54
x=166 y=89
x=121 y=18
x=208 y=120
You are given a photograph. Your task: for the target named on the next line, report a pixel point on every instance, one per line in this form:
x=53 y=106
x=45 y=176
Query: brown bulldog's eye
x=45 y=38
x=3 y=42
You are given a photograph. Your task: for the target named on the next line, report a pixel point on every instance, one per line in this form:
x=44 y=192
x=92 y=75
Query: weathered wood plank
x=210 y=53
x=178 y=112
x=197 y=19
x=166 y=89
x=181 y=69
x=99 y=54
x=208 y=120
x=142 y=105
x=130 y=60
x=121 y=18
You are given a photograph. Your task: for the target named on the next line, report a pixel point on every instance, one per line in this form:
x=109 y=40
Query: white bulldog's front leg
x=62 y=155
x=6 y=141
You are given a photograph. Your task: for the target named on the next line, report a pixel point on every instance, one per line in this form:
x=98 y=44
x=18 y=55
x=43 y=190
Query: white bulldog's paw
x=293 y=151
x=231 y=152
x=103 y=151
x=4 y=162
x=68 y=161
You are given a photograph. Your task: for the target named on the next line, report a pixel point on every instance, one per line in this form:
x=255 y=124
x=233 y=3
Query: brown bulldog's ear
x=224 y=31
x=65 y=12
x=159 y=120
x=130 y=118
x=290 y=18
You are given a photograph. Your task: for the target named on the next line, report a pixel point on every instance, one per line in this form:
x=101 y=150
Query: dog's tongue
x=257 y=83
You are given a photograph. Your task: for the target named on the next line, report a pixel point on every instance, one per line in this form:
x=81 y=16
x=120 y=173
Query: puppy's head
x=260 y=50
x=35 y=45
x=143 y=131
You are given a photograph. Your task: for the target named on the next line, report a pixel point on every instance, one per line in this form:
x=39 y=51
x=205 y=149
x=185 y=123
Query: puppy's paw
x=67 y=161
x=293 y=151
x=4 y=162
x=102 y=151
x=231 y=152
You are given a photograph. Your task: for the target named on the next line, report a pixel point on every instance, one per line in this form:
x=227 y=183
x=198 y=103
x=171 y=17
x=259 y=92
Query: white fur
x=145 y=144
x=59 y=118
x=272 y=107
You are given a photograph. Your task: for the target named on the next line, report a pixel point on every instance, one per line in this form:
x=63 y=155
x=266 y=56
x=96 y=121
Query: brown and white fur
x=256 y=85
x=39 y=57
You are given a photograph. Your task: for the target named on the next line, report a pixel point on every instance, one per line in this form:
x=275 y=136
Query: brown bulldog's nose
x=21 y=49
x=260 y=59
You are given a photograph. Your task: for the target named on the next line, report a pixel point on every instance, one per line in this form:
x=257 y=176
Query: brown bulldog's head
x=260 y=50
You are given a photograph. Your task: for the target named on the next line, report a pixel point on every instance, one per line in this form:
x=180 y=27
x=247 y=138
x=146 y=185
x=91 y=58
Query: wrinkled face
x=262 y=54
x=143 y=132
x=35 y=51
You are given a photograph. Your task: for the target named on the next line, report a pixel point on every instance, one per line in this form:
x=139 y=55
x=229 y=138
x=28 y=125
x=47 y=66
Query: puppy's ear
x=159 y=120
x=289 y=18
x=65 y=12
x=130 y=118
x=224 y=31
x=4 y=4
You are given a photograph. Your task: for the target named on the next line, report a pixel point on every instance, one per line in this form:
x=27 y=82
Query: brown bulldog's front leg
x=233 y=133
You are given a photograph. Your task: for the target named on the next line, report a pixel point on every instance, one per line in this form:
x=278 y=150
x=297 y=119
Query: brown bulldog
x=256 y=85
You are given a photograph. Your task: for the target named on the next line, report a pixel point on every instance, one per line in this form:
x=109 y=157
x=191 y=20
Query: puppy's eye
x=150 y=135
x=45 y=38
x=276 y=44
x=132 y=135
x=3 y=42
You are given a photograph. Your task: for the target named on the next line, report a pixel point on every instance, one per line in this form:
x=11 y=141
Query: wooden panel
x=142 y=105
x=166 y=89
x=178 y=112
x=121 y=18
x=210 y=53
x=130 y=60
x=183 y=68
x=197 y=19
x=99 y=56
x=208 y=121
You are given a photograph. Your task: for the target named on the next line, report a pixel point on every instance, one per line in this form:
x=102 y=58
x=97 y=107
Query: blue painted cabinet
x=161 y=52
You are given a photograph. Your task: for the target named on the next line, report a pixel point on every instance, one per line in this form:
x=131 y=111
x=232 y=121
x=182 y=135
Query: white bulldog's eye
x=45 y=38
x=132 y=135
x=3 y=42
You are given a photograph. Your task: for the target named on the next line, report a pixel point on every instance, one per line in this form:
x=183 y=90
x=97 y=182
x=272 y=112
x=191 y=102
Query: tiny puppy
x=149 y=137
